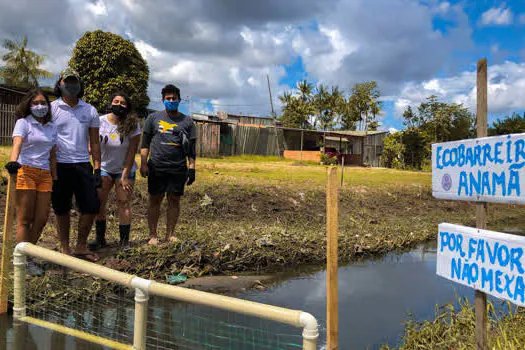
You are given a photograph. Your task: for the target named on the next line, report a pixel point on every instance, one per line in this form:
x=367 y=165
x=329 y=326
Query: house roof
x=13 y=89
x=341 y=133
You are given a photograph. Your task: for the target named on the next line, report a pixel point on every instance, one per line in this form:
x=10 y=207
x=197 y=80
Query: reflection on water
x=375 y=297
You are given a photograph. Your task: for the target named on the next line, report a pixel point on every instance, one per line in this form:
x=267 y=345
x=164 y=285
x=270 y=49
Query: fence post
x=7 y=247
x=332 y=308
x=19 y=308
x=481 y=207
x=141 y=286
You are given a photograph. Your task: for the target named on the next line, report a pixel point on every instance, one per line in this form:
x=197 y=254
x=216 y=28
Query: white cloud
x=497 y=16
x=98 y=8
x=506 y=83
x=392 y=130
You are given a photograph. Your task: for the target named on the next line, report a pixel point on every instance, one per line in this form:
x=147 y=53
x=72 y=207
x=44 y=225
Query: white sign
x=488 y=169
x=488 y=261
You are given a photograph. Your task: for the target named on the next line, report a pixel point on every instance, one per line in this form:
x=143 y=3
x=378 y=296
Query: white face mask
x=39 y=111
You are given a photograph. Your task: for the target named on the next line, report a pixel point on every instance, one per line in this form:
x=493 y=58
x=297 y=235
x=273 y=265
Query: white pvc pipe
x=19 y=262
x=141 y=318
x=310 y=331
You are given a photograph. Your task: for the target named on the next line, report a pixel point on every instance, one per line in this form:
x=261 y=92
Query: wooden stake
x=342 y=170
x=332 y=314
x=481 y=207
x=301 y=156
x=7 y=245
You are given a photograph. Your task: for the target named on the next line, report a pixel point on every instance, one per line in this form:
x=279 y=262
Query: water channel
x=375 y=298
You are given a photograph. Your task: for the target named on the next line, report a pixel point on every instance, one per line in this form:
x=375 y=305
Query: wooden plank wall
x=7 y=123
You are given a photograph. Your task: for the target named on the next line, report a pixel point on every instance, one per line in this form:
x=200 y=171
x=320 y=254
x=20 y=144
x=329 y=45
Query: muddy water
x=375 y=298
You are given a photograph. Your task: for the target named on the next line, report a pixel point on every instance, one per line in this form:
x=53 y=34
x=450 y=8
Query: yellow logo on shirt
x=165 y=126
x=113 y=136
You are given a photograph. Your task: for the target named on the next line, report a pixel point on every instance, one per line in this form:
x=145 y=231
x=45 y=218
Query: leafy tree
x=433 y=121
x=323 y=108
x=329 y=105
x=22 y=65
x=107 y=62
x=364 y=105
x=509 y=125
x=393 y=151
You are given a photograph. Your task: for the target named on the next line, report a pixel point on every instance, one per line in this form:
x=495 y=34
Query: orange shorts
x=35 y=179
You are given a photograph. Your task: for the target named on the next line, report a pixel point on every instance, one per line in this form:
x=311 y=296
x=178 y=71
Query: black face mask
x=119 y=111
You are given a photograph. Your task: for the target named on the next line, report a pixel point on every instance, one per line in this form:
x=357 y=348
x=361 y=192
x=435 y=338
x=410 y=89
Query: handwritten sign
x=488 y=261
x=487 y=169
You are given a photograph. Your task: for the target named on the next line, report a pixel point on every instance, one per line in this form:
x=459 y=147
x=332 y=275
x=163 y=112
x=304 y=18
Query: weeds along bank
x=245 y=215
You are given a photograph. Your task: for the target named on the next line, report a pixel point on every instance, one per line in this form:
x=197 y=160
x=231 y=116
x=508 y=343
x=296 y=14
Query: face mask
x=171 y=105
x=39 y=111
x=70 y=89
x=119 y=110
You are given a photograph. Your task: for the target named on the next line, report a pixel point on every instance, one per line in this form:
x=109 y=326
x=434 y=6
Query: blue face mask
x=171 y=105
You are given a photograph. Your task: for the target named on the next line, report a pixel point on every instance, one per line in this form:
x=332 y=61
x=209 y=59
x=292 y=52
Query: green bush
x=328 y=160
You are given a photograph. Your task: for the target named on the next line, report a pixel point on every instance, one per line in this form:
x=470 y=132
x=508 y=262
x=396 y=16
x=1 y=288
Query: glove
x=191 y=176
x=98 y=178
x=12 y=167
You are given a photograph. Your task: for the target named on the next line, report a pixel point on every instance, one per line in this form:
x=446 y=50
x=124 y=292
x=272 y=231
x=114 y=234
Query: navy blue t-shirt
x=163 y=135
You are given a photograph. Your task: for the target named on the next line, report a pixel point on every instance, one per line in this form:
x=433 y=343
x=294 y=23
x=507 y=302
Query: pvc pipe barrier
x=143 y=288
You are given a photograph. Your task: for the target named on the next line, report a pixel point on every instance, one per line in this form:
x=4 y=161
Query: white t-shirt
x=73 y=125
x=37 y=141
x=114 y=149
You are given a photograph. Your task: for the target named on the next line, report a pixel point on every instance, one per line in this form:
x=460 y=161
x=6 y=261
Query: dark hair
x=126 y=125
x=24 y=108
x=57 y=92
x=170 y=89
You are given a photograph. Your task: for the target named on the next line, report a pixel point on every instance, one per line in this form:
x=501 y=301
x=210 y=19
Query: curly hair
x=127 y=124
x=24 y=108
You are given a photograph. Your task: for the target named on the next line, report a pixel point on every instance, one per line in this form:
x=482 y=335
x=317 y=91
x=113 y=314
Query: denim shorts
x=117 y=176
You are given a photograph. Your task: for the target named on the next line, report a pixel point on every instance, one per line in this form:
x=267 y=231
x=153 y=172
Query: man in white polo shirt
x=78 y=131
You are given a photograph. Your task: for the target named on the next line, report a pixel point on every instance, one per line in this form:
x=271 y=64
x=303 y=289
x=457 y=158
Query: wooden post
x=301 y=156
x=332 y=314
x=481 y=207
x=342 y=169
x=7 y=246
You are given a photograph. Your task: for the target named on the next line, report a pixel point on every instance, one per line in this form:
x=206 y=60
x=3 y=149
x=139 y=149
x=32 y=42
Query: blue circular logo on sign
x=446 y=182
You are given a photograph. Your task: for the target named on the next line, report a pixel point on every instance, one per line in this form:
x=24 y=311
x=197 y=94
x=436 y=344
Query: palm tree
x=22 y=64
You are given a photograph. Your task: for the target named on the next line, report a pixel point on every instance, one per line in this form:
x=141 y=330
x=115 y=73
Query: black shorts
x=162 y=182
x=75 y=179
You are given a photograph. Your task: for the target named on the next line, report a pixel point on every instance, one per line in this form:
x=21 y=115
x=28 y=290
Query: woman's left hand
x=126 y=183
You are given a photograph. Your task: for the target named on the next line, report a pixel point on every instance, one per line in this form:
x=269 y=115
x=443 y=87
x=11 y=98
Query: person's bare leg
x=85 y=222
x=63 y=224
x=25 y=214
x=41 y=214
x=172 y=216
x=124 y=197
x=155 y=202
x=124 y=202
x=103 y=193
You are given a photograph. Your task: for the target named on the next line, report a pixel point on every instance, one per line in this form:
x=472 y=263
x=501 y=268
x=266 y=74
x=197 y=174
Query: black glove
x=12 y=167
x=98 y=178
x=191 y=176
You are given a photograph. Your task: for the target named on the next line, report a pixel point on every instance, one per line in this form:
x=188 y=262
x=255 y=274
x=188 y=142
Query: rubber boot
x=100 y=241
x=124 y=235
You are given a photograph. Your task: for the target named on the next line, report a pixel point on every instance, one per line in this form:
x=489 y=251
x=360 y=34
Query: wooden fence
x=7 y=123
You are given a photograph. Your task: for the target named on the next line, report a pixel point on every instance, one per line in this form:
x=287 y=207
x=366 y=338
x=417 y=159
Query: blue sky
x=219 y=52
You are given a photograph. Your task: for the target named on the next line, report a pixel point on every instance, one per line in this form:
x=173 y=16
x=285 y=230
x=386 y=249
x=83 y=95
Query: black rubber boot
x=124 y=235
x=100 y=241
